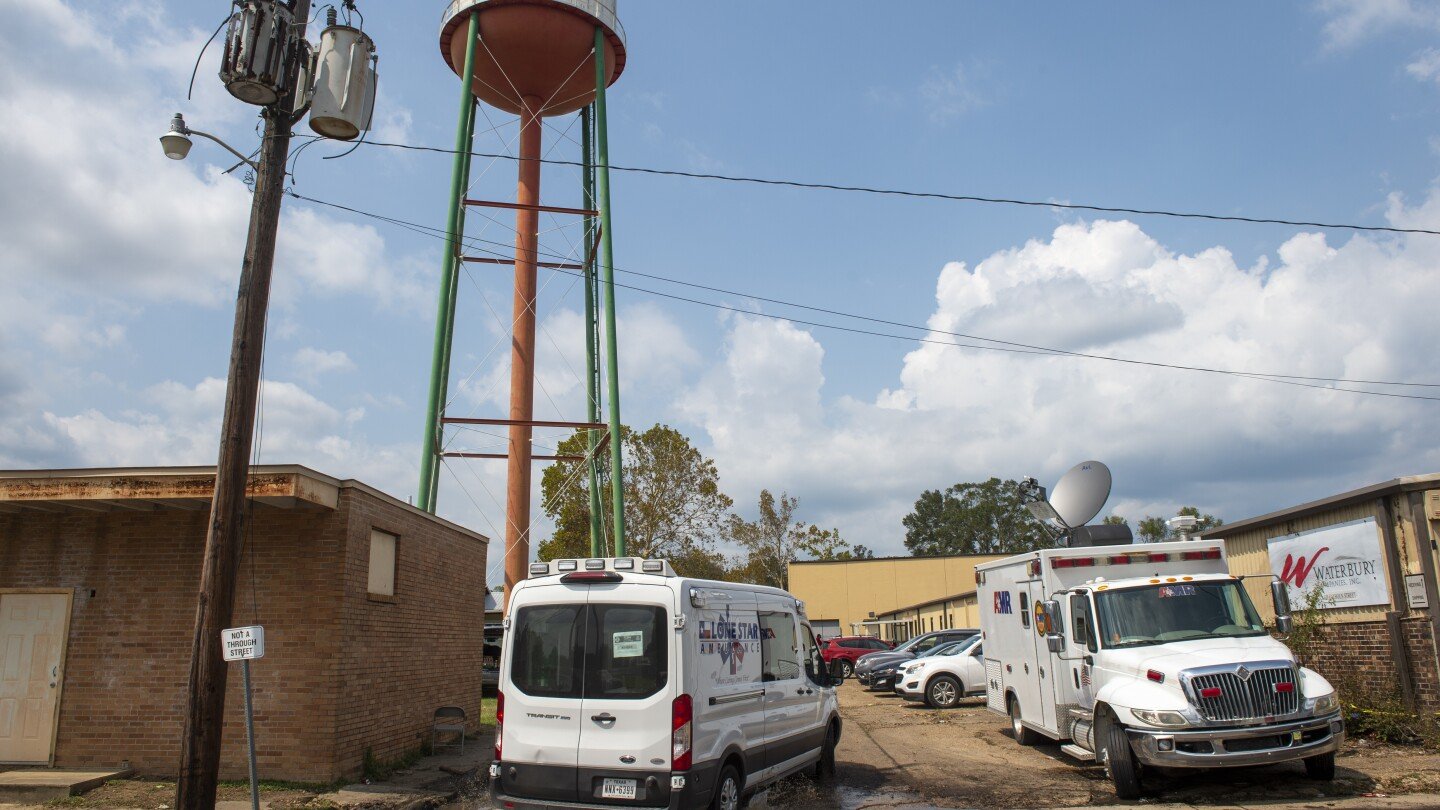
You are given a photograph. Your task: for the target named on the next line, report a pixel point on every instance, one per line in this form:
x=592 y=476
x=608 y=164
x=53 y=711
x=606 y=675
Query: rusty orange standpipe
x=522 y=350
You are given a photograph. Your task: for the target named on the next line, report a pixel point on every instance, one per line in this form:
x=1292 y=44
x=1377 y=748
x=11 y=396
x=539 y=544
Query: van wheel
x=943 y=692
x=1321 y=768
x=728 y=789
x=825 y=767
x=1120 y=762
x=1023 y=734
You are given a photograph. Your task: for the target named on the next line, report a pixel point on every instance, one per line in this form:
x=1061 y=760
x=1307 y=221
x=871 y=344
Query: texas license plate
x=618 y=789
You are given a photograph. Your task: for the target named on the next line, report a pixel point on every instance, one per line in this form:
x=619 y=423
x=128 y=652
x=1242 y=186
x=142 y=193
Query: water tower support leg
x=522 y=350
x=592 y=334
x=440 y=357
x=607 y=270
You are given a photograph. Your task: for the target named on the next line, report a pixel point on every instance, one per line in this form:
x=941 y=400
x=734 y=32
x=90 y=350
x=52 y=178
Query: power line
x=1004 y=346
x=935 y=195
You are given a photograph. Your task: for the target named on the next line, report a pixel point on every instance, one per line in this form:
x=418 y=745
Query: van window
x=778 y=659
x=1024 y=611
x=549 y=650
x=628 y=657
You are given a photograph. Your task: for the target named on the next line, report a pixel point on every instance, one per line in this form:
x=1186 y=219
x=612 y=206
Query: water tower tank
x=534 y=48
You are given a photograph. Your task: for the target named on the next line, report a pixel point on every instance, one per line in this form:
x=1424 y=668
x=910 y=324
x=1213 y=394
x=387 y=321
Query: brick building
x=373 y=613
x=1373 y=552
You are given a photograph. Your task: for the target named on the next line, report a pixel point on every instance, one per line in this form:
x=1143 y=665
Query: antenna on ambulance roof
x=1080 y=493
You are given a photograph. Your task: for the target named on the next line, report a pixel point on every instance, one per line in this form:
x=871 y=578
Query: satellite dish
x=1080 y=493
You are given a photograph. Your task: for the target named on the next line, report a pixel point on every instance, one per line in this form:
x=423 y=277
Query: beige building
x=1374 y=550
x=855 y=597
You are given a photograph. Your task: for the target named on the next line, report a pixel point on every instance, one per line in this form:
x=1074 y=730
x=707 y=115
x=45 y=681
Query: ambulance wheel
x=1119 y=760
x=729 y=790
x=1023 y=734
x=1321 y=768
x=943 y=692
x=825 y=766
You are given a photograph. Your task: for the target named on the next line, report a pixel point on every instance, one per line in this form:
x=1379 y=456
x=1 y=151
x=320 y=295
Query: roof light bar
x=539 y=569
x=594 y=565
x=1122 y=559
x=652 y=566
x=567 y=565
x=1207 y=554
x=1071 y=562
x=623 y=564
x=591 y=577
x=1157 y=556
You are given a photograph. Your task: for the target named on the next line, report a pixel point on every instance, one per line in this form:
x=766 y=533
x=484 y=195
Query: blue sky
x=119 y=266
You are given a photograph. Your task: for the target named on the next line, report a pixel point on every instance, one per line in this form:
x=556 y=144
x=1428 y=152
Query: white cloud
x=1357 y=309
x=949 y=93
x=1426 y=66
x=1352 y=21
x=311 y=362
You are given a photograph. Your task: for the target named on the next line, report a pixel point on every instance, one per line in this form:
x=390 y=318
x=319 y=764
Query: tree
x=775 y=539
x=973 y=518
x=1154 y=530
x=1115 y=520
x=673 y=504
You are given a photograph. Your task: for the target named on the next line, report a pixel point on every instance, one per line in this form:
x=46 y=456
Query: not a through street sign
x=243 y=643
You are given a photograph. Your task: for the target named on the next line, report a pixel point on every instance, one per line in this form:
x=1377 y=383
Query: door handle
x=603 y=717
x=804 y=691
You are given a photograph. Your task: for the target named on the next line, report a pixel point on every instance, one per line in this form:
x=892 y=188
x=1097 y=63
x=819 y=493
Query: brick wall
x=134 y=576
x=1361 y=651
x=404 y=658
x=325 y=691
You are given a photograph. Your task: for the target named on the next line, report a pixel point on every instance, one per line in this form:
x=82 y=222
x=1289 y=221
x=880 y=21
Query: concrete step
x=37 y=785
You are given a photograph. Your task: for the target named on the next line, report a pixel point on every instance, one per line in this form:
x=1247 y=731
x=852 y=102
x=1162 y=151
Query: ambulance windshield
x=1180 y=611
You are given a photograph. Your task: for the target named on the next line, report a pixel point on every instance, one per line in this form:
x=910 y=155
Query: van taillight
x=681 y=714
x=499 y=721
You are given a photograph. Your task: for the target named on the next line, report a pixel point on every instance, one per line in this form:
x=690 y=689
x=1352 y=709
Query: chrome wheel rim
x=943 y=693
x=1015 y=722
x=729 y=795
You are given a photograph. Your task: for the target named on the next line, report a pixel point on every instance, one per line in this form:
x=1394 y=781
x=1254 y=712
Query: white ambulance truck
x=1149 y=655
x=624 y=685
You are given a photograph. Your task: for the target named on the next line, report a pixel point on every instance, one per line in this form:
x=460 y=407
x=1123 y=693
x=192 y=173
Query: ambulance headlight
x=1324 y=704
x=1163 y=719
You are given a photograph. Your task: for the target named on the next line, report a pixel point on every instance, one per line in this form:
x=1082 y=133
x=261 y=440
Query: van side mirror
x=1280 y=596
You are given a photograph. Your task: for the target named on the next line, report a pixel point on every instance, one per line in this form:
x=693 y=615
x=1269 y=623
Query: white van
x=624 y=685
x=1149 y=655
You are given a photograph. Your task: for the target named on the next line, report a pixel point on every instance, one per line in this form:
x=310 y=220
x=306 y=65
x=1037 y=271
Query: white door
x=33 y=629
x=789 y=698
x=631 y=682
x=543 y=685
x=1045 y=670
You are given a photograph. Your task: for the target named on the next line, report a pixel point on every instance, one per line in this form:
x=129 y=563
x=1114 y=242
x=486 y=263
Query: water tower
x=534 y=59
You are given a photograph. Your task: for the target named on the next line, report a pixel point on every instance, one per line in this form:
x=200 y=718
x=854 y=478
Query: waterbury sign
x=1345 y=560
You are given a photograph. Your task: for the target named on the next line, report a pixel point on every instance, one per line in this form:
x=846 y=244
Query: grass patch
x=378 y=770
x=487 y=711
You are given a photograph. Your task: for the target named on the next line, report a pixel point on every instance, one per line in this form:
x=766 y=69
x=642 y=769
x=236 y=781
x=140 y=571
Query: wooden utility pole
x=205 y=698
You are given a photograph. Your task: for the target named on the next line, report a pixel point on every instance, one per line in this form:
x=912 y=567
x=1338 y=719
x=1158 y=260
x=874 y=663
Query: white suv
x=944 y=677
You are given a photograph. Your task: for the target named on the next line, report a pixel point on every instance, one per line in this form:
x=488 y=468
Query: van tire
x=943 y=692
x=729 y=790
x=1119 y=760
x=825 y=766
x=1023 y=734
x=1321 y=768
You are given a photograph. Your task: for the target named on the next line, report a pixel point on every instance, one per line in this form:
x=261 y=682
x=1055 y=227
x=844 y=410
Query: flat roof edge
x=1403 y=484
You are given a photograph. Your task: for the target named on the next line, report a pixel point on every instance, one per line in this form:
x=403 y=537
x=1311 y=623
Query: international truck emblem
x=1242 y=672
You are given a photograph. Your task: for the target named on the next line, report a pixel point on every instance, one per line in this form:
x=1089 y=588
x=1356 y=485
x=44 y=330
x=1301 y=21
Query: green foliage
x=673 y=504
x=1115 y=520
x=973 y=518
x=1305 y=627
x=775 y=539
x=1153 y=529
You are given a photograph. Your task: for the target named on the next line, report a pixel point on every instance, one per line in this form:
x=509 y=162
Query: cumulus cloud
x=1356 y=309
x=311 y=362
x=1351 y=21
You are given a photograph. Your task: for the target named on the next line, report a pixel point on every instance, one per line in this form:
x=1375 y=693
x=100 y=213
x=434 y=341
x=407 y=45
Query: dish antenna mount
x=1076 y=500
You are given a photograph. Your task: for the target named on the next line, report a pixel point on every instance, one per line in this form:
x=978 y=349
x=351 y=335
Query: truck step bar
x=1077 y=752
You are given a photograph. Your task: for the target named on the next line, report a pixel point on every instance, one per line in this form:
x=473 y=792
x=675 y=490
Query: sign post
x=244 y=644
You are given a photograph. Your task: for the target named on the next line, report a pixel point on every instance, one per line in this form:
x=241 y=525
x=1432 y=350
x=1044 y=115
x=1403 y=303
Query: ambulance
x=625 y=685
x=1149 y=656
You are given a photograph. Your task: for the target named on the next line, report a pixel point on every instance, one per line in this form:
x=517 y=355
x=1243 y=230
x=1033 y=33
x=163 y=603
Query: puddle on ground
x=803 y=794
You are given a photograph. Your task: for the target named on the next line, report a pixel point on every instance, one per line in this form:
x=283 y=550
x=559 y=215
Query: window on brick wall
x=384 y=549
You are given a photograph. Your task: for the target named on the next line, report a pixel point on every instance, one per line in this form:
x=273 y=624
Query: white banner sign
x=243 y=643
x=1345 y=560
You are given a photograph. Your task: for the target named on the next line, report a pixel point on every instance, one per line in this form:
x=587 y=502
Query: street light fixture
x=177 y=143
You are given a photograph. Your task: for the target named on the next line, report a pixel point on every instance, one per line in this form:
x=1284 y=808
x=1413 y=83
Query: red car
x=849 y=648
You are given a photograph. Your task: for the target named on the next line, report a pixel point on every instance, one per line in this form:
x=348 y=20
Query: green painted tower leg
x=592 y=334
x=445 y=318
x=607 y=271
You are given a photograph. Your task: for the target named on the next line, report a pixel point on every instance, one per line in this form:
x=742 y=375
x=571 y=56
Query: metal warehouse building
x=890 y=597
x=1372 y=554
x=373 y=611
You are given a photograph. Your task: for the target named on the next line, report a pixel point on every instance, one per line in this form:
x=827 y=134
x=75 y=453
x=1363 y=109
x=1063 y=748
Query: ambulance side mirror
x=1280 y=596
x=1054 y=638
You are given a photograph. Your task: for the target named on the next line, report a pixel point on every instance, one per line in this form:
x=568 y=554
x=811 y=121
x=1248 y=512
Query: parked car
x=877 y=669
x=945 y=676
x=623 y=684
x=846 y=649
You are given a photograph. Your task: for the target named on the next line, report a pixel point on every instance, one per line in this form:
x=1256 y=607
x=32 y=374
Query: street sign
x=243 y=643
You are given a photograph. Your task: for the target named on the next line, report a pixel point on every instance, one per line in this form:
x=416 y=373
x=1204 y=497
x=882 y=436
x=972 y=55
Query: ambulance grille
x=1252 y=695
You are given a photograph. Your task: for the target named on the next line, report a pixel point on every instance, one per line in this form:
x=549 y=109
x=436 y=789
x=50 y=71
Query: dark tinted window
x=628 y=657
x=779 y=660
x=876 y=644
x=549 y=650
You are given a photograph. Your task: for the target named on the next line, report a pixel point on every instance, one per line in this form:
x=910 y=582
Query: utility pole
x=205 y=701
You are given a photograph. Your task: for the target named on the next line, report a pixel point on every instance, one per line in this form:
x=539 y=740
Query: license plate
x=617 y=789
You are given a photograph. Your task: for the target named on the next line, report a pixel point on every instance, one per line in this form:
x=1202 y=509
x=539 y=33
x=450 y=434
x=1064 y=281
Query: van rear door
x=543 y=691
x=631 y=680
